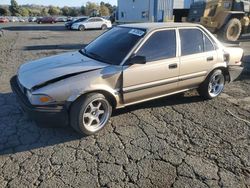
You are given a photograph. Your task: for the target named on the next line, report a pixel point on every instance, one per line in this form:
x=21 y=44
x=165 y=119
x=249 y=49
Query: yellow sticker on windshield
x=136 y=32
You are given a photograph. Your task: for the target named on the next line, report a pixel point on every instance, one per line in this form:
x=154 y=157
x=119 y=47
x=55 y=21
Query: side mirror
x=137 y=60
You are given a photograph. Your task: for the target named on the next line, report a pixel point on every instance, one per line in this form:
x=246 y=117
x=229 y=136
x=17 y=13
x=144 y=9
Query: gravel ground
x=178 y=141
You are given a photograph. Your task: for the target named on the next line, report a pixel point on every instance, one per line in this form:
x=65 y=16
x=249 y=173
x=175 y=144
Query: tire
x=104 y=27
x=213 y=86
x=87 y=111
x=232 y=31
x=81 y=28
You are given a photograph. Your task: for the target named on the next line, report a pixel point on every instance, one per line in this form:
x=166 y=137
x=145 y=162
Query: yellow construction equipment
x=228 y=18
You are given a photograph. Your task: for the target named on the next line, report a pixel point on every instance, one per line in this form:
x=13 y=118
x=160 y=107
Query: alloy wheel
x=96 y=114
x=216 y=85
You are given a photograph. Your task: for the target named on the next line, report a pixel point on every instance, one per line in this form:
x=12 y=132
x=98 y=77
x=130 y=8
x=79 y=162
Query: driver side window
x=160 y=45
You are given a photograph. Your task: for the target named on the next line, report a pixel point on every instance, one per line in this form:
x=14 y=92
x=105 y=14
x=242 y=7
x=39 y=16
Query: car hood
x=45 y=70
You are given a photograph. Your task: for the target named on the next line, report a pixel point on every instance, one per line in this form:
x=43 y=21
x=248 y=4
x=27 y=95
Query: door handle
x=210 y=58
x=173 y=66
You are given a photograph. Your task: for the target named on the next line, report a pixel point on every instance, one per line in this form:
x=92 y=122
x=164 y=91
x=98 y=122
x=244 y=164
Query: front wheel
x=90 y=113
x=81 y=28
x=213 y=85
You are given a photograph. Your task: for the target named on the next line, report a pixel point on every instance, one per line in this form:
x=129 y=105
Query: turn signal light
x=44 y=99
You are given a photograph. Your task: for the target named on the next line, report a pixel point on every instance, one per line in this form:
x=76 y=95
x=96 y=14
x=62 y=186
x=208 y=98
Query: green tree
x=35 y=12
x=104 y=11
x=92 y=8
x=83 y=10
x=74 y=12
x=3 y=11
x=24 y=11
x=44 y=12
x=110 y=7
x=54 y=11
x=65 y=11
x=14 y=8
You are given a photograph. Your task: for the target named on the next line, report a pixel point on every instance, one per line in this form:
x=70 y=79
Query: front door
x=159 y=75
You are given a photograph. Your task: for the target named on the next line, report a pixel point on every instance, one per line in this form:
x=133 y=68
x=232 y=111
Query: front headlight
x=39 y=99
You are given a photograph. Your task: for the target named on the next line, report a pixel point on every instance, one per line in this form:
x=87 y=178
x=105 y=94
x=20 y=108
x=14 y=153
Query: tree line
x=90 y=9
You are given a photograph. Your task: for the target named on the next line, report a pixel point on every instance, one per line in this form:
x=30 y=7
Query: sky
x=60 y=3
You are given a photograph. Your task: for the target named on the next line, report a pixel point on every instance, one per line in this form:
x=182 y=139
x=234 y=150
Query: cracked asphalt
x=178 y=141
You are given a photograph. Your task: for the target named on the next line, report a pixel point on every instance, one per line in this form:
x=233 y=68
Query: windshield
x=80 y=20
x=114 y=45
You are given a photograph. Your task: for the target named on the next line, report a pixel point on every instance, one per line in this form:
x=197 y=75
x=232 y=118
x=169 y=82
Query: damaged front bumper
x=55 y=115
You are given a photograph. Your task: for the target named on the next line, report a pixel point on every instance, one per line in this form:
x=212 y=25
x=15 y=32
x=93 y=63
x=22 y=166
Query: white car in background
x=92 y=23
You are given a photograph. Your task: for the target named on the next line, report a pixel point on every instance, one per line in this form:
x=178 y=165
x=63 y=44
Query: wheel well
x=108 y=96
x=224 y=71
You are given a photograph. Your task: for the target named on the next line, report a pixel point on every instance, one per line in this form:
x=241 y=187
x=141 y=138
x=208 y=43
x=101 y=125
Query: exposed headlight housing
x=39 y=99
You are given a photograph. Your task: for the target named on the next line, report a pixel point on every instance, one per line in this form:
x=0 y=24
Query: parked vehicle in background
x=46 y=20
x=106 y=17
x=32 y=19
x=126 y=65
x=21 y=19
x=77 y=20
x=4 y=20
x=13 y=19
x=61 y=19
x=227 y=18
x=69 y=18
x=92 y=23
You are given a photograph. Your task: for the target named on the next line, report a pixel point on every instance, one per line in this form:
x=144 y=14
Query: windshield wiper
x=93 y=56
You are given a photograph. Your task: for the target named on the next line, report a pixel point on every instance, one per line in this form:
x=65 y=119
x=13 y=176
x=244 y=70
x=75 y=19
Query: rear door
x=198 y=55
x=99 y=23
x=159 y=75
x=90 y=23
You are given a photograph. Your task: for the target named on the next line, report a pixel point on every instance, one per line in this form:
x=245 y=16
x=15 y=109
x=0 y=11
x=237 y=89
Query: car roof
x=95 y=17
x=157 y=25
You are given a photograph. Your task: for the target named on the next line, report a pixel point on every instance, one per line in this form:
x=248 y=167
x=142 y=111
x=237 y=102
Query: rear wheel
x=81 y=28
x=90 y=114
x=104 y=27
x=232 y=31
x=213 y=85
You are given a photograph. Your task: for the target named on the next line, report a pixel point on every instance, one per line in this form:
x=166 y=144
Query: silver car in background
x=126 y=65
x=92 y=23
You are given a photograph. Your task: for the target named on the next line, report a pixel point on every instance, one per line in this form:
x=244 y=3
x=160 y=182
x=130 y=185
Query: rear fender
x=234 y=59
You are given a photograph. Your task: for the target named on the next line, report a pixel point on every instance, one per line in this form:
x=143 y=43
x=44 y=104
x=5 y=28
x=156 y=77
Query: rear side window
x=191 y=41
x=160 y=45
x=208 y=45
